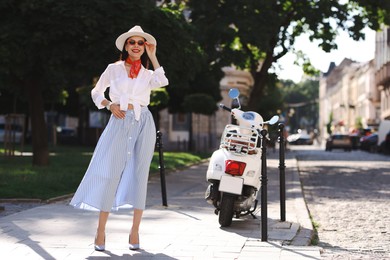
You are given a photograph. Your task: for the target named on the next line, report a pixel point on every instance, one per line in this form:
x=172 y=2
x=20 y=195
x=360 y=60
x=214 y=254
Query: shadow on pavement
x=294 y=254
x=345 y=182
x=139 y=254
x=24 y=238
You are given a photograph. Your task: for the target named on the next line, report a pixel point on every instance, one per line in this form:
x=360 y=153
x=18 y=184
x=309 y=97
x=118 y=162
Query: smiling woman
x=118 y=172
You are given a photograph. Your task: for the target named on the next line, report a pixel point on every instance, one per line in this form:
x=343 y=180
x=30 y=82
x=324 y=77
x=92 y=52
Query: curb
x=59 y=198
x=20 y=200
x=48 y=201
x=306 y=231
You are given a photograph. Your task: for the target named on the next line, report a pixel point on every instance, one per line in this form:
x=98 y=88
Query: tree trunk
x=261 y=78
x=191 y=133
x=257 y=91
x=38 y=125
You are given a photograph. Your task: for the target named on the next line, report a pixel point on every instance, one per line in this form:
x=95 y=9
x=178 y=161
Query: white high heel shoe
x=134 y=246
x=100 y=247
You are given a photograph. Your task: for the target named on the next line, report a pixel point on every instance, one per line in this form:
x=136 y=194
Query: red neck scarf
x=135 y=67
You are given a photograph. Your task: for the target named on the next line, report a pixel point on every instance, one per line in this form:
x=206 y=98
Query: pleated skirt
x=118 y=172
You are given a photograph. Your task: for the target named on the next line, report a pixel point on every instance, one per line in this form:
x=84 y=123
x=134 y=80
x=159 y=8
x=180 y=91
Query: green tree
x=198 y=103
x=329 y=124
x=53 y=49
x=189 y=72
x=49 y=46
x=254 y=34
x=303 y=98
x=158 y=100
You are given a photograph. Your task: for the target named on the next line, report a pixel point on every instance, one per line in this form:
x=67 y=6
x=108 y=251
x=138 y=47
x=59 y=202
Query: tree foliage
x=302 y=98
x=199 y=103
x=189 y=72
x=254 y=35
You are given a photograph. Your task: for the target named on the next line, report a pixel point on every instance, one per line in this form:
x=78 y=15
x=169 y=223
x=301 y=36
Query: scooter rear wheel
x=226 y=210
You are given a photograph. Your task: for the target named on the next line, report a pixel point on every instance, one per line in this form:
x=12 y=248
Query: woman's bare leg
x=134 y=237
x=100 y=233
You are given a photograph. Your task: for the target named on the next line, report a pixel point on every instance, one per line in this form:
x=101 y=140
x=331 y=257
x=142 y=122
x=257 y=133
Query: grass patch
x=175 y=160
x=19 y=179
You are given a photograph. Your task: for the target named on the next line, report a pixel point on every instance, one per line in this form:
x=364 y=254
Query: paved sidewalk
x=186 y=229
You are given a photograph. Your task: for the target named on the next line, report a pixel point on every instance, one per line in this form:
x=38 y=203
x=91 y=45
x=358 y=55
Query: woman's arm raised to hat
x=151 y=51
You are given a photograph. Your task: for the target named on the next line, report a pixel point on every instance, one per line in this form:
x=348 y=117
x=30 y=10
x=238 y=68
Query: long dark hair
x=144 y=57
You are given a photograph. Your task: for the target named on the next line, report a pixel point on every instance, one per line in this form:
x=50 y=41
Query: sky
x=360 y=51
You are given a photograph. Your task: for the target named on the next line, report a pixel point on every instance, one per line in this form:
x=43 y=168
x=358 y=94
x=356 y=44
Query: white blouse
x=125 y=90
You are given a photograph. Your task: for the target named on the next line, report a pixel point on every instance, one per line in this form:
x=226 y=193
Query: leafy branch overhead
x=254 y=35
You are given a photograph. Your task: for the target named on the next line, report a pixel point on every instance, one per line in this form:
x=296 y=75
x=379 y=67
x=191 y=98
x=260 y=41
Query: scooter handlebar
x=225 y=107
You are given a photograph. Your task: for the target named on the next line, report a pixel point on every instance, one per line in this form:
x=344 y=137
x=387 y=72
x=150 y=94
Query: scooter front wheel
x=226 y=209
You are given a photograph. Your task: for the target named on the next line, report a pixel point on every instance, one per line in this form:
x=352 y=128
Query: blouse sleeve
x=97 y=93
x=158 y=78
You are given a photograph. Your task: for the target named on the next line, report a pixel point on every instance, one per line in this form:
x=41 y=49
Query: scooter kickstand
x=253 y=215
x=253 y=210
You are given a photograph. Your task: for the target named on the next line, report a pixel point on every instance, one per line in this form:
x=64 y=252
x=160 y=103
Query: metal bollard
x=282 y=174
x=162 y=169
x=264 y=180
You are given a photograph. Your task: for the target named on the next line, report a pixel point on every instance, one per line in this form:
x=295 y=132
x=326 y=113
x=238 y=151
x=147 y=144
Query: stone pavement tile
x=293 y=252
x=281 y=235
x=224 y=255
x=236 y=249
x=274 y=250
x=257 y=243
x=259 y=255
x=303 y=238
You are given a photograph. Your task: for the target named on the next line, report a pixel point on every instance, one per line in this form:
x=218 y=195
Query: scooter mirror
x=234 y=93
x=273 y=120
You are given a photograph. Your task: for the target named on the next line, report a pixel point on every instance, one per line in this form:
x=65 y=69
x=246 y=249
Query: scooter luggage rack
x=240 y=140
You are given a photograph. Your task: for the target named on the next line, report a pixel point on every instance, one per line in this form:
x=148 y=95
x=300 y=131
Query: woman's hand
x=117 y=112
x=150 y=49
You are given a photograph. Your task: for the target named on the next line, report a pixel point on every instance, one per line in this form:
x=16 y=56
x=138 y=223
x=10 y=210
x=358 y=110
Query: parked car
x=369 y=142
x=384 y=147
x=15 y=135
x=339 y=141
x=300 y=138
x=355 y=139
x=383 y=137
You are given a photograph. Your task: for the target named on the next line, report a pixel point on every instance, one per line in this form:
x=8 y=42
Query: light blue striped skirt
x=117 y=175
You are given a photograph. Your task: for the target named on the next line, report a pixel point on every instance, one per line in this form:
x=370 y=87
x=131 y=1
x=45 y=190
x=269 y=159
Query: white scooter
x=234 y=170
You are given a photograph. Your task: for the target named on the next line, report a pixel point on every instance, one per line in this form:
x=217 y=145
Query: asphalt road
x=348 y=197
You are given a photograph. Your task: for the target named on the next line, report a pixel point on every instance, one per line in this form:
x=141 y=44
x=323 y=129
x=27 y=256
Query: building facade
x=349 y=99
x=382 y=70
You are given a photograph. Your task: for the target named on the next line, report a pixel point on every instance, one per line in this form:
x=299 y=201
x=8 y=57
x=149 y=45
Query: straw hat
x=135 y=31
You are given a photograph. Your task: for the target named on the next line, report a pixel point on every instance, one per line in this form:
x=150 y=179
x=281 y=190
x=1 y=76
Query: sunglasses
x=132 y=42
